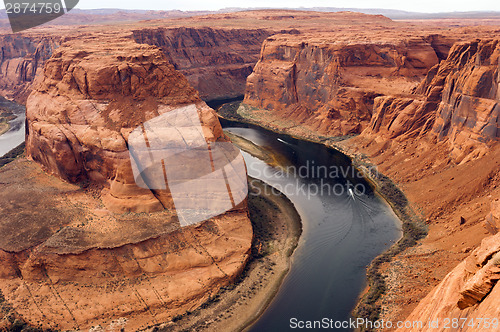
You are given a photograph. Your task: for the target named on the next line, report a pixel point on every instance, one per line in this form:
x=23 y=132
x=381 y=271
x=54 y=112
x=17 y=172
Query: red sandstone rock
x=21 y=58
x=330 y=85
x=470 y=291
x=216 y=62
x=90 y=96
x=458 y=101
x=86 y=103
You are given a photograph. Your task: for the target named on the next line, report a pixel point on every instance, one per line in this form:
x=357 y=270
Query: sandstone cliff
x=88 y=101
x=467 y=298
x=134 y=269
x=216 y=62
x=440 y=144
x=428 y=120
x=458 y=101
x=329 y=84
x=21 y=57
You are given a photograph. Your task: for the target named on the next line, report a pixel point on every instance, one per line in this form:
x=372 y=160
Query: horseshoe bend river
x=345 y=226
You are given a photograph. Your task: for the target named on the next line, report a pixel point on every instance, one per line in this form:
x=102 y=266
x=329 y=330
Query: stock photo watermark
x=310 y=180
x=26 y=14
x=453 y=324
x=172 y=156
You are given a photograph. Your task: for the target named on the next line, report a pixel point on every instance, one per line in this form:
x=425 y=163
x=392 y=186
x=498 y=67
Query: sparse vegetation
x=229 y=111
x=413 y=230
x=17 y=324
x=413 y=227
x=12 y=154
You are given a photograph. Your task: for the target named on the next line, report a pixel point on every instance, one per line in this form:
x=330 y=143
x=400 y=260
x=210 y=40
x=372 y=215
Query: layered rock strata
x=458 y=101
x=330 y=85
x=21 y=58
x=440 y=144
x=216 y=62
x=98 y=249
x=435 y=136
x=467 y=298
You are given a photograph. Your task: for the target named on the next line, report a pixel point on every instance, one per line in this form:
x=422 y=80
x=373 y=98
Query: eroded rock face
x=139 y=268
x=21 y=58
x=458 y=101
x=492 y=220
x=69 y=264
x=445 y=135
x=330 y=85
x=216 y=62
x=471 y=290
x=88 y=101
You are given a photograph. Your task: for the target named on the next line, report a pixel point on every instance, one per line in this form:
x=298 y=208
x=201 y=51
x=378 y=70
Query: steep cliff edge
x=329 y=83
x=21 y=57
x=440 y=145
x=434 y=133
x=467 y=298
x=458 y=101
x=216 y=62
x=133 y=269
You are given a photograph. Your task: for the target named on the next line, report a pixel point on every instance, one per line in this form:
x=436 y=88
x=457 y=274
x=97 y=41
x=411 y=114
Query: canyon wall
x=440 y=145
x=329 y=85
x=216 y=62
x=467 y=298
x=458 y=101
x=21 y=58
x=428 y=117
x=449 y=131
x=119 y=246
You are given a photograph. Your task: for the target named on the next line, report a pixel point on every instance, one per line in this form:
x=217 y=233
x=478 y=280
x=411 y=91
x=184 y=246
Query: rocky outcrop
x=429 y=123
x=467 y=294
x=216 y=62
x=440 y=144
x=138 y=268
x=89 y=100
x=492 y=220
x=458 y=101
x=330 y=85
x=68 y=264
x=21 y=58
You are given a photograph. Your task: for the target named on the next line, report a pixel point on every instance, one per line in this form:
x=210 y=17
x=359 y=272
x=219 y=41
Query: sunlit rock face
x=329 y=84
x=104 y=244
x=216 y=62
x=458 y=101
x=91 y=98
x=470 y=291
x=21 y=58
x=171 y=152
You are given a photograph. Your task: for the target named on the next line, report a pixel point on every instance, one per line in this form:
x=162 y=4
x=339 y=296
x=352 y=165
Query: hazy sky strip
x=426 y=6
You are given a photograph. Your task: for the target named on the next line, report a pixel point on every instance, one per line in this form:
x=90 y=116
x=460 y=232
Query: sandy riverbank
x=277 y=228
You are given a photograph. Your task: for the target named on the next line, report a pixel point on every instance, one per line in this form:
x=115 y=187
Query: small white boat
x=350 y=192
x=282 y=141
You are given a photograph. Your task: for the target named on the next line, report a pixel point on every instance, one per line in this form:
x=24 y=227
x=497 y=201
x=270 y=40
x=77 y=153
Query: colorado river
x=345 y=226
x=15 y=135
